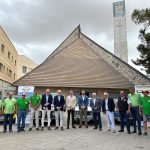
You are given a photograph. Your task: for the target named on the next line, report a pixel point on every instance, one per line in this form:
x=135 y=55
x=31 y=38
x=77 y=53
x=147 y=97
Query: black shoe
x=42 y=128
x=10 y=130
x=140 y=133
x=62 y=128
x=37 y=129
x=30 y=129
x=74 y=127
x=23 y=130
x=49 y=128
x=56 y=128
x=95 y=128
x=121 y=130
x=134 y=132
x=100 y=129
x=67 y=128
x=80 y=126
x=4 y=131
x=19 y=130
x=145 y=133
x=86 y=126
x=129 y=132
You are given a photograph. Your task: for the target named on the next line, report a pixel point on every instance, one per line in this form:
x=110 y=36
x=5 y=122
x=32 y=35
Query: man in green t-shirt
x=134 y=97
x=145 y=107
x=22 y=107
x=34 y=101
x=9 y=109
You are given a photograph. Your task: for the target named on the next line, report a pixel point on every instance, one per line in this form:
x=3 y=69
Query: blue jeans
x=136 y=117
x=21 y=115
x=97 y=116
x=124 y=118
x=8 y=117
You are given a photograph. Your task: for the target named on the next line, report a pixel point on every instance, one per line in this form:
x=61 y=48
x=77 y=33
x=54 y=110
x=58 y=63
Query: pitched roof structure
x=80 y=62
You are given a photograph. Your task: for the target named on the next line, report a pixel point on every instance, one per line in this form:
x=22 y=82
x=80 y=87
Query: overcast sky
x=37 y=27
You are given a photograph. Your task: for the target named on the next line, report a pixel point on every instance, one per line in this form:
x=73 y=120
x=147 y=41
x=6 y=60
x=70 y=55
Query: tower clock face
x=119 y=9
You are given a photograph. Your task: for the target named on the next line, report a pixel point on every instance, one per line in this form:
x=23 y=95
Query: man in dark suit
x=95 y=104
x=83 y=105
x=59 y=107
x=108 y=107
x=46 y=108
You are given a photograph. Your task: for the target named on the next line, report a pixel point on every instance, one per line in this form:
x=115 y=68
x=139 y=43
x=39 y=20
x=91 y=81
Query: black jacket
x=58 y=103
x=111 y=105
x=123 y=104
x=43 y=101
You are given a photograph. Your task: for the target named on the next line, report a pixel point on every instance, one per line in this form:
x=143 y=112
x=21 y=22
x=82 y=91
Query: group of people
x=125 y=104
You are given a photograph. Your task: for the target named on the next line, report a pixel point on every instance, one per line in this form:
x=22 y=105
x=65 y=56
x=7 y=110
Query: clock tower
x=120 y=32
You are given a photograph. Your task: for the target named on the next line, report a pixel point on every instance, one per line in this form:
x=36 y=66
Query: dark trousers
x=136 y=117
x=8 y=117
x=68 y=117
x=21 y=116
x=83 y=112
x=124 y=118
x=97 y=119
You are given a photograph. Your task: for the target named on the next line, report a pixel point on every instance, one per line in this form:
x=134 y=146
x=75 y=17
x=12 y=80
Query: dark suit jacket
x=58 y=103
x=98 y=104
x=43 y=101
x=111 y=105
x=82 y=102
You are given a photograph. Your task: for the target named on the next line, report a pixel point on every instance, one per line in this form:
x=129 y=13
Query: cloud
x=37 y=27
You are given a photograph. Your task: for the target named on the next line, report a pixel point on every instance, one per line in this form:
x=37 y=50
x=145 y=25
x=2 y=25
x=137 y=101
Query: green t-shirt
x=145 y=103
x=135 y=99
x=35 y=99
x=9 y=105
x=22 y=104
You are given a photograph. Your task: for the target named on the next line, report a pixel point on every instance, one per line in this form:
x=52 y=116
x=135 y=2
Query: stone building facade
x=8 y=64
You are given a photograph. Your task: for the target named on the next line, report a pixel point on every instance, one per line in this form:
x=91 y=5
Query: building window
x=24 y=69
x=15 y=62
x=12 y=58
x=8 y=55
x=1 y=67
x=9 y=73
x=2 y=48
x=4 y=69
x=14 y=76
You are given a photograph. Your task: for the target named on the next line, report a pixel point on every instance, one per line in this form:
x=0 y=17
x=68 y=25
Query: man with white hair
x=9 y=108
x=95 y=104
x=59 y=108
x=46 y=108
x=108 y=108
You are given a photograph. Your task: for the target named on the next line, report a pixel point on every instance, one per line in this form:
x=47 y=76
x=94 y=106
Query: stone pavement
x=73 y=139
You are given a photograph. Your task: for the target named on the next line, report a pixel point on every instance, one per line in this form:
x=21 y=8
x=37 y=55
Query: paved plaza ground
x=73 y=139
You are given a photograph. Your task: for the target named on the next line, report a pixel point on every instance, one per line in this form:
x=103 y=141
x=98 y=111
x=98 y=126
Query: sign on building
x=140 y=88
x=25 y=89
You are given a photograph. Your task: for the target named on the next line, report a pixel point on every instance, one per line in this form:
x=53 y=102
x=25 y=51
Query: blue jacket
x=43 y=101
x=58 y=103
x=82 y=102
x=98 y=104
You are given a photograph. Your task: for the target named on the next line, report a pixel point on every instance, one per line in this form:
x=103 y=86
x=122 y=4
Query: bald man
x=95 y=104
x=46 y=108
x=59 y=107
x=9 y=108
